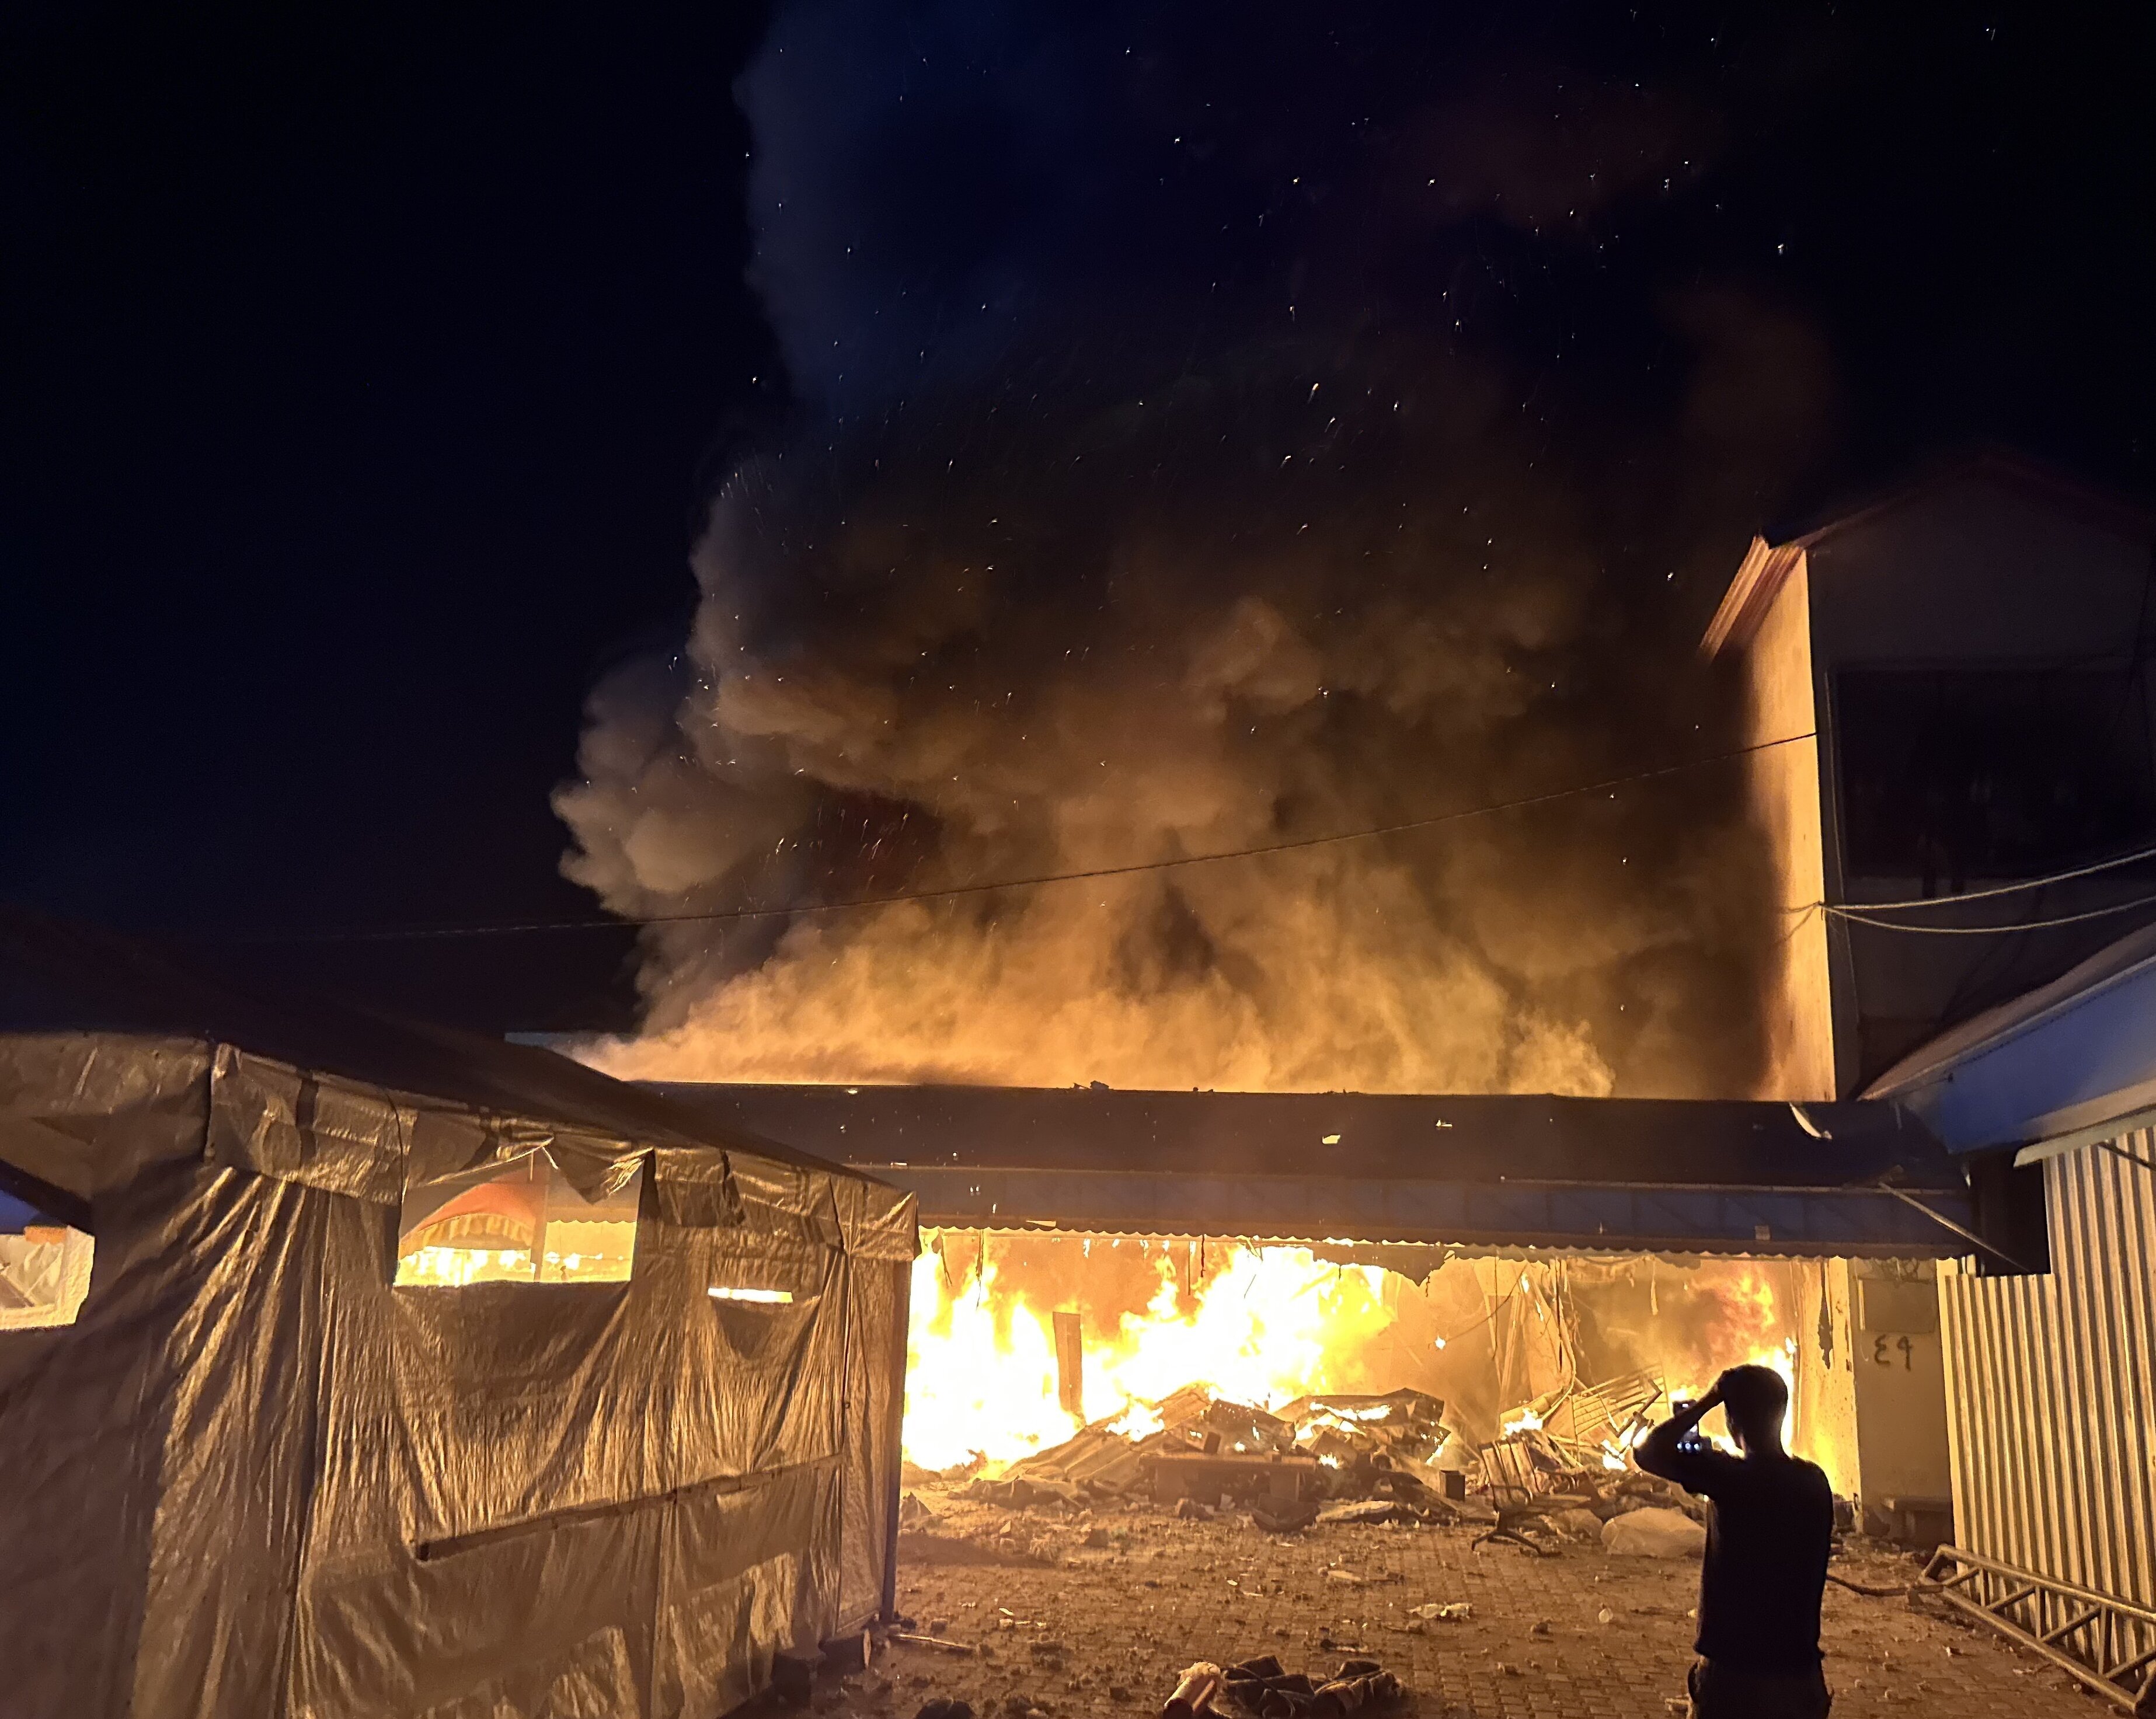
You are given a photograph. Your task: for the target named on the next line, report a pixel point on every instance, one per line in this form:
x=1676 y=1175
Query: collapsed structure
x=1281 y=1245
x=349 y=1366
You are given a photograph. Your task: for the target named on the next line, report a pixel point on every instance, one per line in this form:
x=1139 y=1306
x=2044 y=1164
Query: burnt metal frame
x=2124 y=1644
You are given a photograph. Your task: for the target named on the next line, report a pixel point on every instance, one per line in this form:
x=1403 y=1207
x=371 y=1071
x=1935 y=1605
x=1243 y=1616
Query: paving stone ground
x=1126 y=1617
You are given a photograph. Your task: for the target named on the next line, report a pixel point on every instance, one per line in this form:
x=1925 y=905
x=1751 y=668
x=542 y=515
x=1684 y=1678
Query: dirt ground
x=1097 y=1613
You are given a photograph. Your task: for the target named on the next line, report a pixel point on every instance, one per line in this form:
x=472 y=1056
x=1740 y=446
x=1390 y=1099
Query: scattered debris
x=1292 y=1519
x=1023 y=1492
x=911 y=1639
x=1262 y=1688
x=1277 y=1479
x=1523 y=1523
x=1653 y=1533
x=911 y=1473
x=1193 y=1691
x=1456 y=1611
x=1594 y=1423
x=1576 y=1522
x=1366 y=1509
x=1221 y=1452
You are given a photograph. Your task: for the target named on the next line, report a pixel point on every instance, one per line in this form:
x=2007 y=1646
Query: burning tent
x=413 y=1373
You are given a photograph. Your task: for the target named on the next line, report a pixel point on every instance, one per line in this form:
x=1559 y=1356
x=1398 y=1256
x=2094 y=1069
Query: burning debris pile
x=1201 y=1453
x=1098 y=1368
x=1342 y=1458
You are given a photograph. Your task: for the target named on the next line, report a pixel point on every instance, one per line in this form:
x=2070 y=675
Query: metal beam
x=1810 y=1222
x=1955 y=1577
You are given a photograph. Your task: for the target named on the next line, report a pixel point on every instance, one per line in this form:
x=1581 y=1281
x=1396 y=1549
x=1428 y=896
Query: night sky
x=369 y=376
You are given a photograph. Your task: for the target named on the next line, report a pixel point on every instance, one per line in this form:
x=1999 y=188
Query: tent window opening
x=521 y=1223
x=44 y=1269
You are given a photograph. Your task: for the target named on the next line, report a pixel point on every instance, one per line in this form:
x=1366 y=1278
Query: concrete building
x=1951 y=690
x=1951 y=693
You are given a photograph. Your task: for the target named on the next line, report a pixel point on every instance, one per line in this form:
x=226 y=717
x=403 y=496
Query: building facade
x=1951 y=693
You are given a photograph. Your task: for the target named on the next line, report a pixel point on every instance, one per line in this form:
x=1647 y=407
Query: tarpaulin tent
x=255 y=1476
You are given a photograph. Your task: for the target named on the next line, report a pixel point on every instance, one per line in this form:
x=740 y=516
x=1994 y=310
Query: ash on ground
x=1081 y=1611
x=1538 y=1577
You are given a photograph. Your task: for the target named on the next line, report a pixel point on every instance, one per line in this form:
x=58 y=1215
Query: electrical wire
x=728 y=915
x=2012 y=889
x=1861 y=917
x=1496 y=1307
x=2131 y=1157
x=1869 y=1593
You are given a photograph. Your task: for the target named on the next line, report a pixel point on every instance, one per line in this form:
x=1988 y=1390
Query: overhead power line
x=1037 y=880
x=1861 y=917
x=2012 y=889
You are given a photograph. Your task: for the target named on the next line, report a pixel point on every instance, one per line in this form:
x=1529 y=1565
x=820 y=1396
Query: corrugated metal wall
x=2051 y=1386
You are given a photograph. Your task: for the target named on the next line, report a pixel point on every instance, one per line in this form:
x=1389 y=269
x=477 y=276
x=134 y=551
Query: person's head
x=1753 y=1401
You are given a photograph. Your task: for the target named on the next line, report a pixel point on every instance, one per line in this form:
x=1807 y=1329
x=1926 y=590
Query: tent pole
x=901 y=1319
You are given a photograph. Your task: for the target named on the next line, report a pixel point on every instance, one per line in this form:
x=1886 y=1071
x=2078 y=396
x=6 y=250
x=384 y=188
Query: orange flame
x=1262 y=1328
x=1751 y=1332
x=1261 y=1325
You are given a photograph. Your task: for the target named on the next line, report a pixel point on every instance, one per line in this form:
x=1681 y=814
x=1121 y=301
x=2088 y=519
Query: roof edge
x=1758 y=581
x=1768 y=565
x=2061 y=489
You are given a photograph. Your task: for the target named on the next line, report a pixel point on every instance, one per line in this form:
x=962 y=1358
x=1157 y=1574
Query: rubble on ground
x=1105 y=1632
x=1653 y=1533
x=1260 y=1688
x=1103 y=1566
x=1219 y=1454
x=1319 y=1463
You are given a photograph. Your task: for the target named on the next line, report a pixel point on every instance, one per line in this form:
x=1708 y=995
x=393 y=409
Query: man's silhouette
x=1769 y=1531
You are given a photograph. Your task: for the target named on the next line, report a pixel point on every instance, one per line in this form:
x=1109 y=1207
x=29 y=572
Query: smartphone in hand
x=1691 y=1442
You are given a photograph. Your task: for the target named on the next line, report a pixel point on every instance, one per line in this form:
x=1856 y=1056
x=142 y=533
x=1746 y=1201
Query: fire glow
x=1264 y=1325
x=982 y=1375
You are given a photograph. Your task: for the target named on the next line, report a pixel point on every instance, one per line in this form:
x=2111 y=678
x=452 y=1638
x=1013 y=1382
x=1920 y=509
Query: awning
x=2066 y=1065
x=1606 y=1175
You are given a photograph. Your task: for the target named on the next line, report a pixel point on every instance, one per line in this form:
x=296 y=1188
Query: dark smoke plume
x=1205 y=438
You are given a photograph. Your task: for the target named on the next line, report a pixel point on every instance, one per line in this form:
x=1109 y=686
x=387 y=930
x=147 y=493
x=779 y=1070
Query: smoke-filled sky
x=941 y=443
x=1203 y=438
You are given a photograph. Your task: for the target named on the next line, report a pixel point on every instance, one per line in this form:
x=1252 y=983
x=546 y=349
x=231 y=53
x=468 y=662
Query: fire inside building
x=1936 y=1220
x=547 y=1392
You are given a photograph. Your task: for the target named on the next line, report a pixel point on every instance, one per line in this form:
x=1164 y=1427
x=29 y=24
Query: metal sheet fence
x=2052 y=1389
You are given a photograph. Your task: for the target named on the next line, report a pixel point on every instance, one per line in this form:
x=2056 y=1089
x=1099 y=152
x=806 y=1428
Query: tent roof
x=58 y=977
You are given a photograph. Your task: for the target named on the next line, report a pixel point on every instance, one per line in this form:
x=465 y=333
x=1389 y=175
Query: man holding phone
x=1770 y=1531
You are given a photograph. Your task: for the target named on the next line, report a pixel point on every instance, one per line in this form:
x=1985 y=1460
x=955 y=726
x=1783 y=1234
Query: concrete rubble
x=1096 y=1613
x=1089 y=1579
